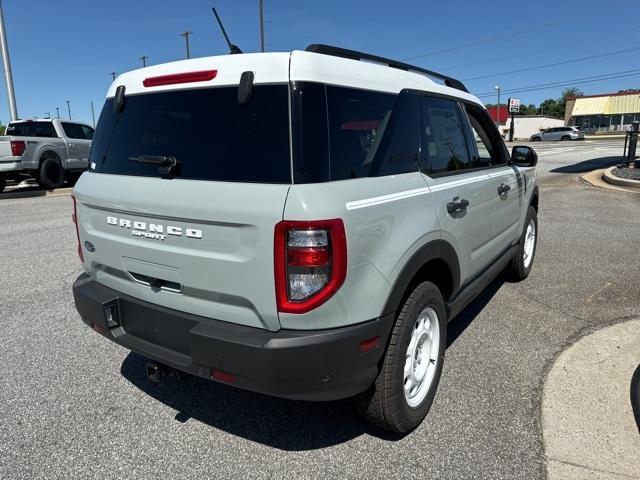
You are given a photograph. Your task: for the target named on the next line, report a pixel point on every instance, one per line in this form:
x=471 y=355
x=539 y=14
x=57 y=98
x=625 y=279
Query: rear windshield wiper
x=168 y=166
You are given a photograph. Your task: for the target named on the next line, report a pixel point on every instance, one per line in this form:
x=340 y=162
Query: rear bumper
x=307 y=365
x=10 y=164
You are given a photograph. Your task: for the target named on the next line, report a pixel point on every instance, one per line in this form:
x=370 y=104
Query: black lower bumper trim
x=307 y=365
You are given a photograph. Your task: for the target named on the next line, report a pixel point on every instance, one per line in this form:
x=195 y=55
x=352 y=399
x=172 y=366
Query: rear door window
x=32 y=129
x=206 y=131
x=445 y=143
x=72 y=130
x=87 y=132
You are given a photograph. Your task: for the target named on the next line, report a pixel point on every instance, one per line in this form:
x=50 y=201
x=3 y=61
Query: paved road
x=77 y=406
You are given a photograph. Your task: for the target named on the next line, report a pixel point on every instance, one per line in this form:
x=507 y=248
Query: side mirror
x=524 y=156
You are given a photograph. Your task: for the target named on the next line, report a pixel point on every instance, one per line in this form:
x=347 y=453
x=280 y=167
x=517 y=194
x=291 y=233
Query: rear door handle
x=457 y=205
x=503 y=188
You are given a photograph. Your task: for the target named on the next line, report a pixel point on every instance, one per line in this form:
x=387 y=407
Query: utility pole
x=144 y=60
x=69 y=108
x=497 y=87
x=8 y=78
x=58 y=113
x=113 y=75
x=93 y=115
x=186 y=41
x=261 y=7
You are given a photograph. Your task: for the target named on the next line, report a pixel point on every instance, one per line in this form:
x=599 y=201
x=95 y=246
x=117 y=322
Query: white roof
x=282 y=67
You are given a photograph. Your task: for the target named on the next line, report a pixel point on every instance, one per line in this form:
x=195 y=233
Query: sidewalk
x=588 y=425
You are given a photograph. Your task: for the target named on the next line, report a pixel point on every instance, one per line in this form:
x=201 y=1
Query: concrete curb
x=609 y=177
x=596 y=179
x=60 y=192
x=588 y=425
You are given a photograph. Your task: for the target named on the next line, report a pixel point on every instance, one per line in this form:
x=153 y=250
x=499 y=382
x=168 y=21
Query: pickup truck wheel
x=410 y=372
x=526 y=250
x=50 y=174
x=3 y=181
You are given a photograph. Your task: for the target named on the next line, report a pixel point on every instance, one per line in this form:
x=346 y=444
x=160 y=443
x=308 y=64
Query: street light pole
x=113 y=75
x=186 y=41
x=497 y=87
x=261 y=7
x=69 y=108
x=93 y=115
x=8 y=78
x=58 y=113
x=144 y=60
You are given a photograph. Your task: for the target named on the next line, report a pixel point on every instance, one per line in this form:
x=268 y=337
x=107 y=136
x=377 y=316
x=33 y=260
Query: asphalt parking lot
x=77 y=406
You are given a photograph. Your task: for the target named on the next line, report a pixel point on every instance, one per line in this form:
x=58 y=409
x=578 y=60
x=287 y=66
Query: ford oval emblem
x=89 y=246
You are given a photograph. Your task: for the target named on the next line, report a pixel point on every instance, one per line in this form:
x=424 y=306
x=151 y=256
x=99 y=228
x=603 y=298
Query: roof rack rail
x=355 y=55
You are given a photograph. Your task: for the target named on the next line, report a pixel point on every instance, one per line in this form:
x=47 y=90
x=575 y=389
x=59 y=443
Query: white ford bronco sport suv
x=300 y=224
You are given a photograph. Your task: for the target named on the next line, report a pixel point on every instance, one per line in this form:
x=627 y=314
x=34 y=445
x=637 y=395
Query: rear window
x=31 y=129
x=206 y=131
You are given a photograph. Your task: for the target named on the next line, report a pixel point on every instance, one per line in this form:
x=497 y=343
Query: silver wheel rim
x=529 y=243
x=421 y=359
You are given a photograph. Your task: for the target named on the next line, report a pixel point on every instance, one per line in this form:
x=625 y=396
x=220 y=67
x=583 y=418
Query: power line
x=488 y=40
x=495 y=59
x=554 y=83
x=567 y=83
x=564 y=62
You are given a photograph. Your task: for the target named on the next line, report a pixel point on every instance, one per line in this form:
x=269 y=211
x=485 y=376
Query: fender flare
x=535 y=195
x=434 y=250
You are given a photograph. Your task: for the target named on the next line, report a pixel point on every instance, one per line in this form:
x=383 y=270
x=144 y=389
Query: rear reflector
x=188 y=77
x=369 y=344
x=74 y=218
x=18 y=147
x=223 y=376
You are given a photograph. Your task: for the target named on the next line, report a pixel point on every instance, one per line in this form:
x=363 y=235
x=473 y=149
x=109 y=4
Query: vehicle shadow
x=589 y=165
x=283 y=424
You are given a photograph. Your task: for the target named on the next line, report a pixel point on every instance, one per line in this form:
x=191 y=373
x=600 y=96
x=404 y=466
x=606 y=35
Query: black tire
x=384 y=404
x=3 y=182
x=536 y=139
x=565 y=138
x=50 y=173
x=517 y=270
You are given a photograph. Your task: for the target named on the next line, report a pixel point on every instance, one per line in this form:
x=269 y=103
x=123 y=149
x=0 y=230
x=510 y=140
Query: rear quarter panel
x=387 y=219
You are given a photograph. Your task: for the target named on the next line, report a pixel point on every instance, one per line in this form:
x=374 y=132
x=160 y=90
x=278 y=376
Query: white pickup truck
x=47 y=149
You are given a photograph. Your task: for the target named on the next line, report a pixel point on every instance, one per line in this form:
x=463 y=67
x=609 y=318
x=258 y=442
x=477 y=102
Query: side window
x=356 y=119
x=487 y=140
x=445 y=145
x=72 y=130
x=397 y=146
x=87 y=132
x=45 y=129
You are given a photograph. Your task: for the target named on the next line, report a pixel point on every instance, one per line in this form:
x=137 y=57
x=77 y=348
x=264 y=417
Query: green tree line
x=551 y=107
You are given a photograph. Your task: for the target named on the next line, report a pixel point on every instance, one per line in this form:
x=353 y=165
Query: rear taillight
x=74 y=217
x=18 y=147
x=310 y=263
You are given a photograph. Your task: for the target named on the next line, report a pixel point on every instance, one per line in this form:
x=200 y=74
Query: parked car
x=310 y=238
x=558 y=133
x=47 y=149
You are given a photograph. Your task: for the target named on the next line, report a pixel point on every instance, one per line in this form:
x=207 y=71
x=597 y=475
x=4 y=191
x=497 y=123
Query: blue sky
x=66 y=49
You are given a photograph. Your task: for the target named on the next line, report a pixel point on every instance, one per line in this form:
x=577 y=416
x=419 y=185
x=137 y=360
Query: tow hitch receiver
x=156 y=372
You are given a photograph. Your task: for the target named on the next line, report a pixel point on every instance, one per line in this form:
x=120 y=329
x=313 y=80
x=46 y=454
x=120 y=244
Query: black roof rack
x=355 y=55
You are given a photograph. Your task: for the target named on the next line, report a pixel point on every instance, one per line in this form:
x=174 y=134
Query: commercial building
x=524 y=125
x=610 y=112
